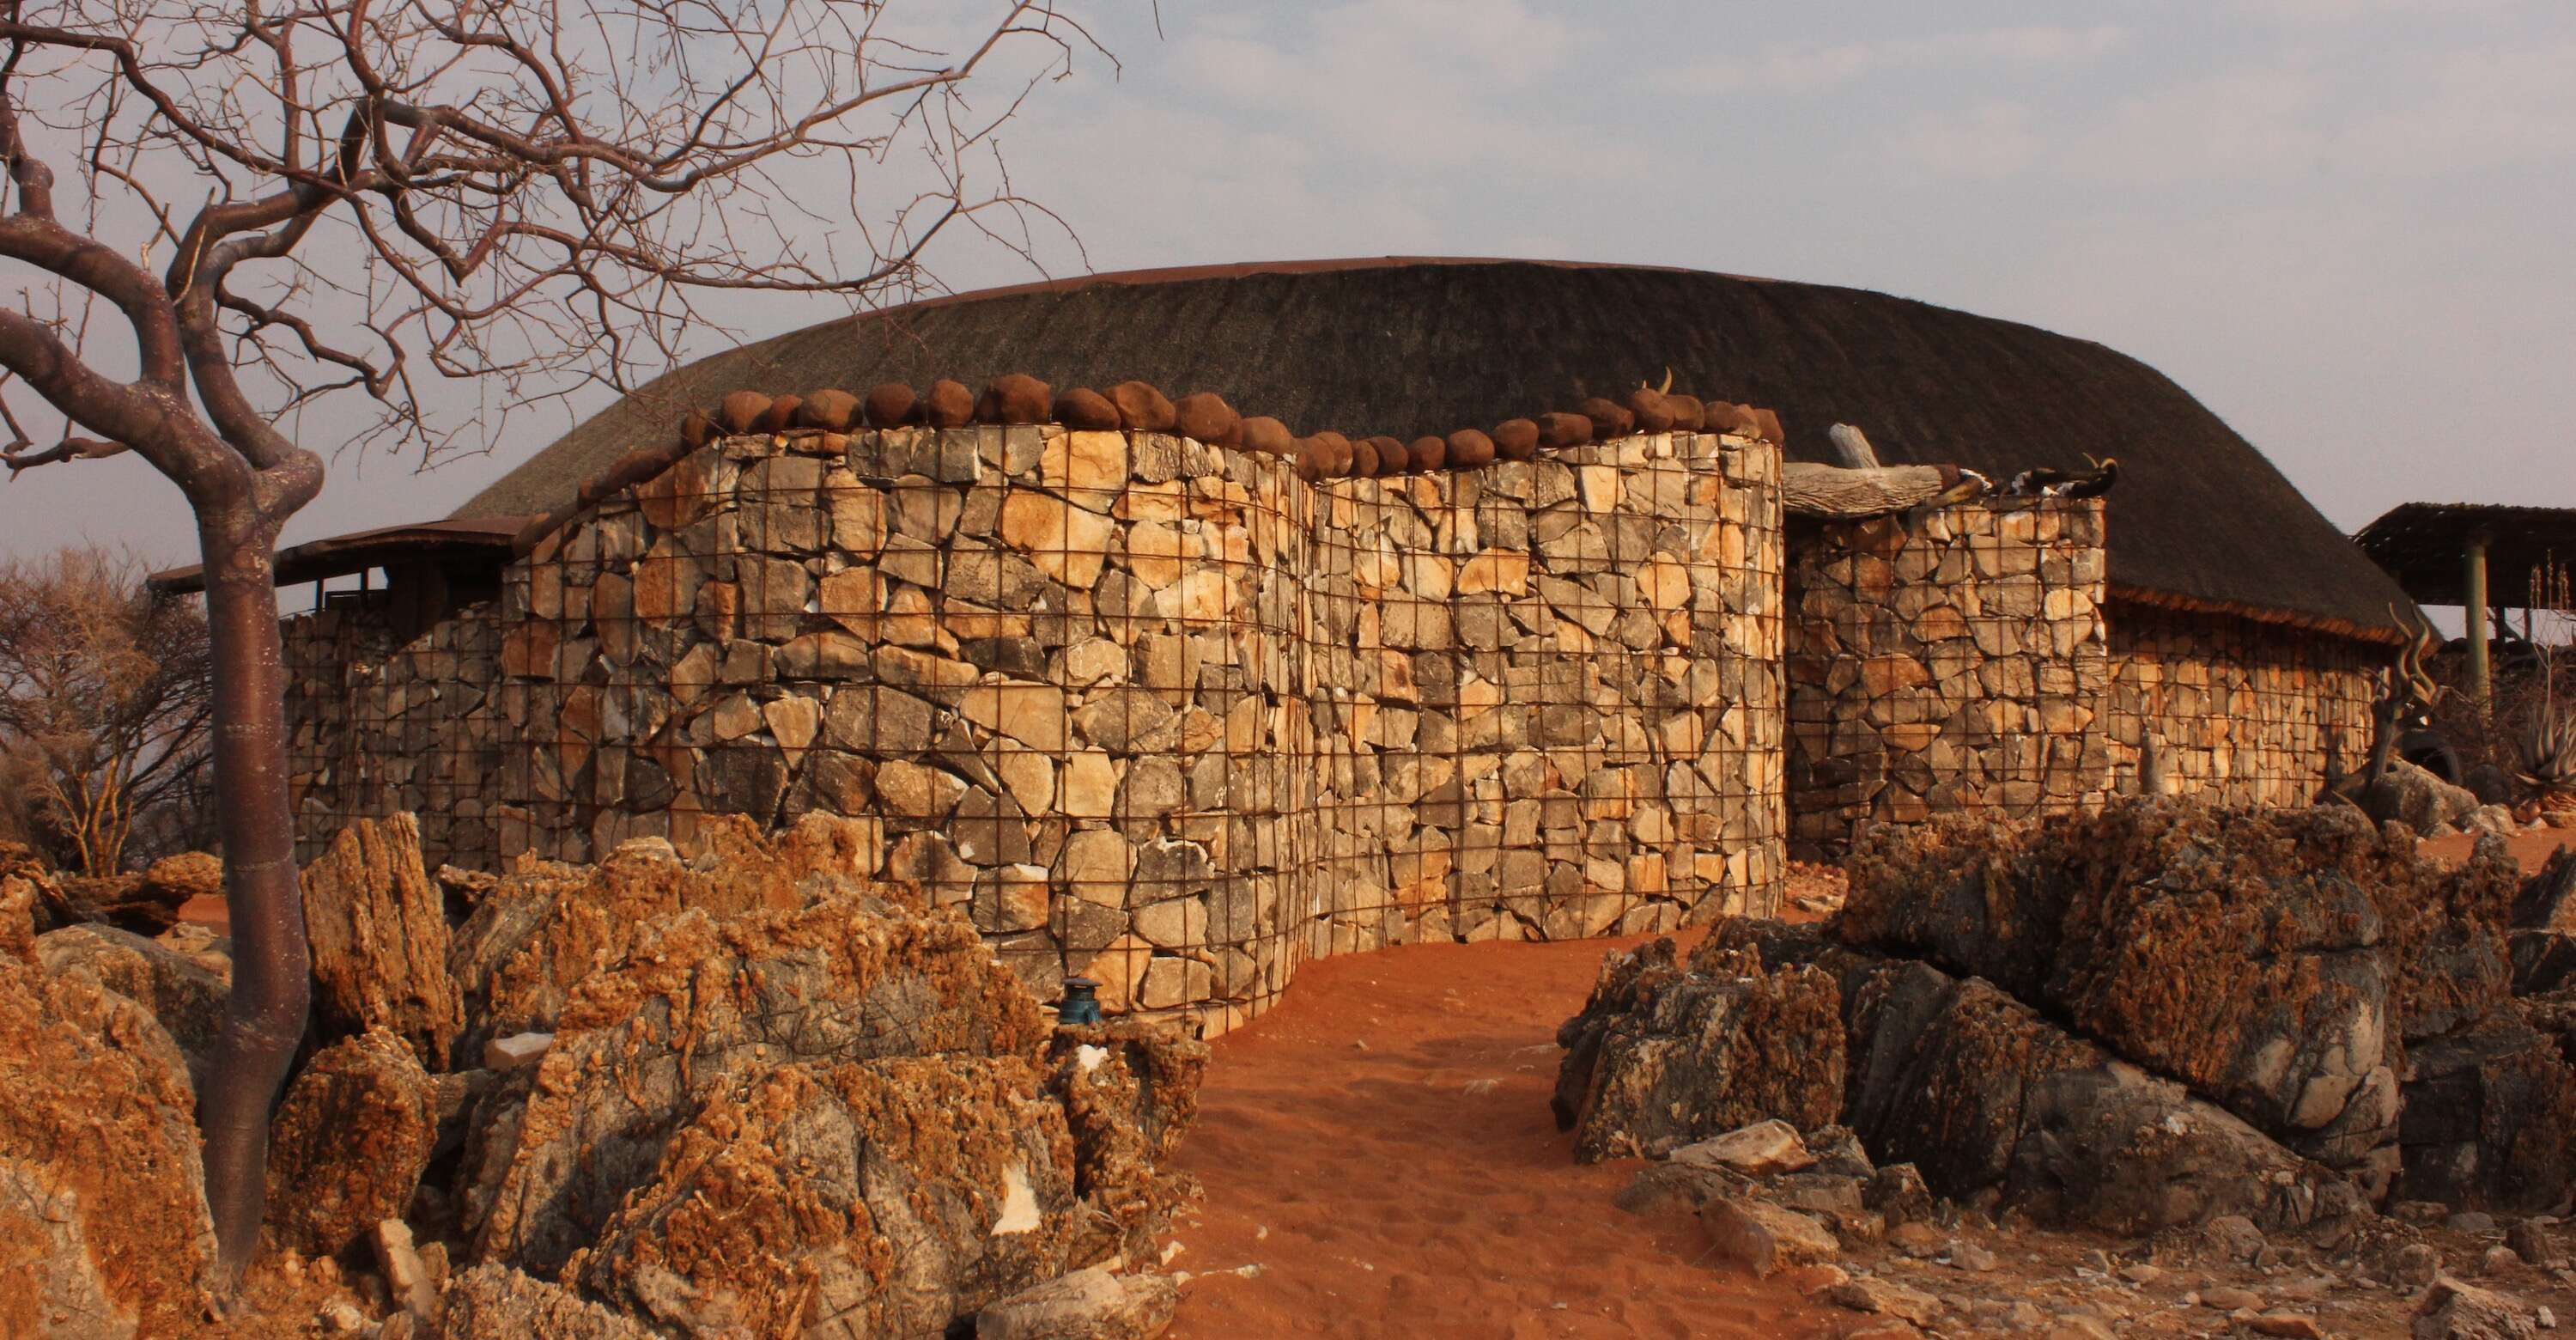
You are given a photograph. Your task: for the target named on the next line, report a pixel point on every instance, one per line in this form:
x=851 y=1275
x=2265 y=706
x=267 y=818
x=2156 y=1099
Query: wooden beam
x=1838 y=494
x=2474 y=598
x=1851 y=448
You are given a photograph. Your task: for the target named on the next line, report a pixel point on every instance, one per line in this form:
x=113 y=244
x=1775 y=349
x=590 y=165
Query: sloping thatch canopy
x=465 y=541
x=2425 y=547
x=1410 y=346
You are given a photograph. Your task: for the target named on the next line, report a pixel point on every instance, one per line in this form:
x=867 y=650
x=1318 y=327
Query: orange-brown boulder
x=1267 y=435
x=780 y=415
x=1726 y=417
x=1015 y=397
x=1363 y=458
x=1392 y=456
x=1308 y=458
x=1609 y=418
x=1687 y=411
x=696 y=429
x=1516 y=439
x=891 y=405
x=739 y=410
x=1087 y=410
x=1335 y=453
x=102 y=1212
x=1652 y=414
x=1556 y=431
x=833 y=411
x=1766 y=425
x=1426 y=453
x=949 y=405
x=1469 y=448
x=1143 y=408
x=1205 y=415
x=348 y=1146
x=378 y=927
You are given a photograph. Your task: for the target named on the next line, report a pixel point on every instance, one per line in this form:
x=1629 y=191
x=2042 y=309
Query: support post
x=2474 y=601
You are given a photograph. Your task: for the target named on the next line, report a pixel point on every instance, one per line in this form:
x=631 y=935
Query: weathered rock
x=640 y=1043
x=1556 y=431
x=1982 y=1094
x=1609 y=419
x=1129 y=1090
x=1143 y=408
x=186 y=997
x=545 y=925
x=831 y=410
x=739 y=410
x=890 y=404
x=893 y=1196
x=1760 y=1237
x=1266 y=435
x=1884 y=1297
x=1204 y=415
x=1662 y=1057
x=1088 y=1304
x=2455 y=1311
x=2420 y=800
x=377 y=927
x=2273 y=960
x=2547 y=901
x=2489 y=1119
x=1015 y=397
x=948 y=405
x=496 y=1302
x=349 y=1143
x=17 y=917
x=130 y=902
x=1085 y=409
x=1758 y=1150
x=103 y=1226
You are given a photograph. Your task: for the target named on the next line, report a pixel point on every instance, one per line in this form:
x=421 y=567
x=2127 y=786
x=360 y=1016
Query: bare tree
x=106 y=687
x=278 y=207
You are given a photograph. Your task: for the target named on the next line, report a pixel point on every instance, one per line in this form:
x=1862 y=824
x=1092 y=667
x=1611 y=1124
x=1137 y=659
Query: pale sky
x=2345 y=225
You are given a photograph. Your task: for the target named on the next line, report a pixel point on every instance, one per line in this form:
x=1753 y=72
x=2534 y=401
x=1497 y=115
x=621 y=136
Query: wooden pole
x=2474 y=599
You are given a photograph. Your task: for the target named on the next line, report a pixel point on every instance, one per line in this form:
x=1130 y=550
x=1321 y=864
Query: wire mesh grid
x=1148 y=711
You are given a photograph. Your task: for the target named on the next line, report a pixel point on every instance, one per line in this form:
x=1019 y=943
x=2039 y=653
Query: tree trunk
x=1835 y=493
x=264 y=1018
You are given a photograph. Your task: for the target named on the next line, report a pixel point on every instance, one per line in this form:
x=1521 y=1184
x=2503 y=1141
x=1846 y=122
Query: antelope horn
x=1668 y=380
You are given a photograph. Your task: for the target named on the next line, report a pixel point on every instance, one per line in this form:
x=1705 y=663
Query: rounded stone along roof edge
x=1414 y=348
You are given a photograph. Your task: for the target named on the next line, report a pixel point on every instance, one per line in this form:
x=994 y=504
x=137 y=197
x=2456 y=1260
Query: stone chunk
x=102 y=1212
x=516 y=1052
x=377 y=925
x=349 y=1144
x=1662 y=1057
x=1758 y=1150
x=496 y=1302
x=2452 y=1310
x=186 y=997
x=1763 y=1238
x=1088 y=1304
x=892 y=1195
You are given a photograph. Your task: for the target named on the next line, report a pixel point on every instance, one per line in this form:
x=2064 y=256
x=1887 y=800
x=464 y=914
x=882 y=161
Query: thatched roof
x=2425 y=547
x=1410 y=346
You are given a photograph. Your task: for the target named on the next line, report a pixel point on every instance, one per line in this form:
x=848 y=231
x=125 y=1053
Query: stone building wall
x=375 y=728
x=2242 y=712
x=1548 y=695
x=1154 y=711
x=1944 y=660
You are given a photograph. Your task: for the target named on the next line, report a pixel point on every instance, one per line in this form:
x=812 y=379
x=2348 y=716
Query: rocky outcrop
x=1663 y=1055
x=494 y=1302
x=378 y=931
x=886 y=1197
x=1987 y=1098
x=697 y=1002
x=2490 y=1119
x=347 y=1147
x=1087 y=1304
x=2276 y=962
x=181 y=992
x=103 y=1225
x=543 y=926
x=1128 y=1091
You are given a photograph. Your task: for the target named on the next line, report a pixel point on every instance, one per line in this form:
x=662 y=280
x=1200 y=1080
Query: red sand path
x=1380 y=1145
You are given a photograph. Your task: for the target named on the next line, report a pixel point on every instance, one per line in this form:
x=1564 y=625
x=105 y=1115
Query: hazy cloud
x=1806 y=67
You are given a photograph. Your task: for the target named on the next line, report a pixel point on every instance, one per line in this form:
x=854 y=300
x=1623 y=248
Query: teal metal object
x=1081 y=1006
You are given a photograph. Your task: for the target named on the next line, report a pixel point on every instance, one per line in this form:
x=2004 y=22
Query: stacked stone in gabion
x=1155 y=711
x=378 y=729
x=2240 y=716
x=1951 y=660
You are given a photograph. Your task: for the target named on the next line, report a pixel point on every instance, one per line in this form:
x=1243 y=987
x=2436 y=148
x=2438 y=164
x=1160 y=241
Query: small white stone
x=516 y=1050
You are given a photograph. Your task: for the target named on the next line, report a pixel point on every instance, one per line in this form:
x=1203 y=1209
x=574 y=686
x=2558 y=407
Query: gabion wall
x=1156 y=712
x=2242 y=712
x=1951 y=659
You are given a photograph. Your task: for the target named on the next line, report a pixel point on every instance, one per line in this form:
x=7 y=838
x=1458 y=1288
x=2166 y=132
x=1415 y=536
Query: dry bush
x=105 y=700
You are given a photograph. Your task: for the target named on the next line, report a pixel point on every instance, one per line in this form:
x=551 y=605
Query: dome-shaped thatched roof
x=1406 y=347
